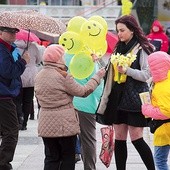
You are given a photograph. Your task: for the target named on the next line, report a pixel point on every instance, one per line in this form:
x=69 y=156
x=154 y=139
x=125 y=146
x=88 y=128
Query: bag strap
x=162 y=121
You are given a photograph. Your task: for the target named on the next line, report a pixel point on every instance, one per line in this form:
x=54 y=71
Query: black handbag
x=154 y=124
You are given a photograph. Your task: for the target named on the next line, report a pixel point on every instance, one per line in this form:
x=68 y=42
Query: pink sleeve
x=153 y=112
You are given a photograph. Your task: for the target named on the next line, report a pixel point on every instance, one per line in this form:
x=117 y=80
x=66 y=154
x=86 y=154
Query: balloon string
x=93 y=52
x=100 y=65
x=88 y=49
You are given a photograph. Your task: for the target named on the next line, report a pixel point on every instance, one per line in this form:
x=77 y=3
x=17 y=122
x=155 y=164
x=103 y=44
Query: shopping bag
x=107 y=147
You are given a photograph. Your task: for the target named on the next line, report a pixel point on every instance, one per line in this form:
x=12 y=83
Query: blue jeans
x=161 y=157
x=78 y=147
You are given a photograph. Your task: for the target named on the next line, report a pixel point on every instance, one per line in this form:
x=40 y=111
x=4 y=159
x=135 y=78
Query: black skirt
x=136 y=119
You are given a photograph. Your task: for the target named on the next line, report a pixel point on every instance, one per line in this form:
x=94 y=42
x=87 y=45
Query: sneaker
x=77 y=157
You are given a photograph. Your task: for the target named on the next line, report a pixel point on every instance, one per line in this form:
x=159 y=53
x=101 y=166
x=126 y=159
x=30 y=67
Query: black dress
x=124 y=105
x=133 y=118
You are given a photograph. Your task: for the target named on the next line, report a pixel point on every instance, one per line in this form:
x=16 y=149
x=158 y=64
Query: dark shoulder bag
x=155 y=124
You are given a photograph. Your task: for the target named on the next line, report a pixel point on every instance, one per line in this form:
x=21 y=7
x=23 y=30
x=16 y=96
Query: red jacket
x=159 y=36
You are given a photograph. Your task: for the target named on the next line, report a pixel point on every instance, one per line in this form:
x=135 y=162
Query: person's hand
x=94 y=57
x=121 y=69
x=26 y=57
x=101 y=73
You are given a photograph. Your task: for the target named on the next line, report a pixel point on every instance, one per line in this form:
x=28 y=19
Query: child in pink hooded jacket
x=159 y=63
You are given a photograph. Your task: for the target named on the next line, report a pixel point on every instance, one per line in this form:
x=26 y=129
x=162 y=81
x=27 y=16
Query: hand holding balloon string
x=96 y=59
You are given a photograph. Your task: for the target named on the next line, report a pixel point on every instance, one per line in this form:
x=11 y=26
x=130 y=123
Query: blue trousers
x=78 y=146
x=161 y=157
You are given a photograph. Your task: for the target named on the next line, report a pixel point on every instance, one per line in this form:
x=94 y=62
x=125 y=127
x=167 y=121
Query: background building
x=55 y=2
x=145 y=10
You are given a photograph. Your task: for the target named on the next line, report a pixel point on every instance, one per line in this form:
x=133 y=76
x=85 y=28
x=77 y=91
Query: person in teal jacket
x=86 y=110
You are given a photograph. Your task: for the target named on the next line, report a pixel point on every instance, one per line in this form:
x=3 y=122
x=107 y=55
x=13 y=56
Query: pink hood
x=159 y=63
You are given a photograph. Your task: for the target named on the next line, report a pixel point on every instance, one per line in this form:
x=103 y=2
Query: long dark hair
x=132 y=25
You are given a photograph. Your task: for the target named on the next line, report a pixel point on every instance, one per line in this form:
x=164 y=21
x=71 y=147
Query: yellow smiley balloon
x=92 y=30
x=71 y=41
x=75 y=24
x=101 y=20
x=101 y=49
x=92 y=33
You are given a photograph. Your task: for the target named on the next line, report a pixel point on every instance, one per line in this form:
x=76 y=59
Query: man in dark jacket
x=10 y=84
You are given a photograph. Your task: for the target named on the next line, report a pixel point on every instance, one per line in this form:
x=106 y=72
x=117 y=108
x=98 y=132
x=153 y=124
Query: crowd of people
x=68 y=106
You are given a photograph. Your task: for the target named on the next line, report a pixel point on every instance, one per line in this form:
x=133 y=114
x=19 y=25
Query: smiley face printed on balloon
x=92 y=33
x=92 y=30
x=101 y=20
x=71 y=42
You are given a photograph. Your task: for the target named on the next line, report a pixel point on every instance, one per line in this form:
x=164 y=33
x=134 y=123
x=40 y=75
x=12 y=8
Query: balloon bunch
x=126 y=7
x=83 y=38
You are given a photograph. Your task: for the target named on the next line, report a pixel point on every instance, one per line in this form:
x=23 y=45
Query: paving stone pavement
x=29 y=152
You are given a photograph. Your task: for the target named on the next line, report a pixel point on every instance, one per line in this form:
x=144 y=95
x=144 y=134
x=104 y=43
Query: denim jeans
x=78 y=146
x=161 y=157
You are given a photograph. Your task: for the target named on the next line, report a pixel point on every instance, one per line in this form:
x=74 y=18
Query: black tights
x=142 y=148
x=120 y=154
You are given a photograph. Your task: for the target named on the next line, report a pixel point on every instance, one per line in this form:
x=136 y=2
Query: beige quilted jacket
x=55 y=89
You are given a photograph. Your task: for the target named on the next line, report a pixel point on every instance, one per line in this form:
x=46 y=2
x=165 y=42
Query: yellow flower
x=124 y=61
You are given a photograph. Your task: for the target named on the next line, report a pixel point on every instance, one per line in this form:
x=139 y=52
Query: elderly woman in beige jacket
x=58 y=121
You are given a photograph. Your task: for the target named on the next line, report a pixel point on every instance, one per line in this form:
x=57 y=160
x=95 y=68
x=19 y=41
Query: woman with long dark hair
x=124 y=105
